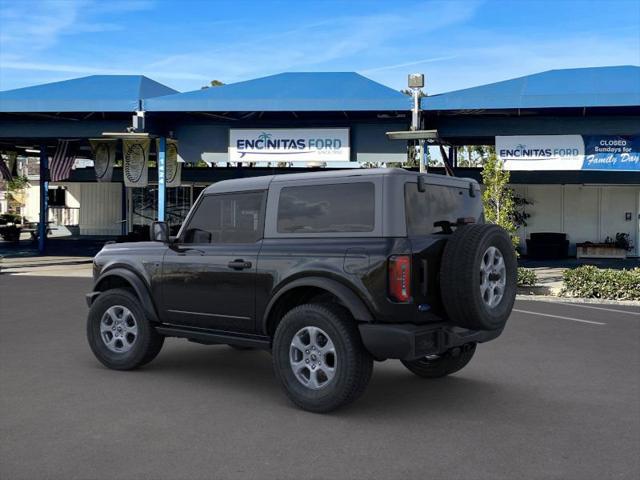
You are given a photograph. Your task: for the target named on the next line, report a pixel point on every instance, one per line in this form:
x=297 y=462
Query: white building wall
x=583 y=212
x=614 y=204
x=73 y=195
x=32 y=202
x=546 y=214
x=100 y=208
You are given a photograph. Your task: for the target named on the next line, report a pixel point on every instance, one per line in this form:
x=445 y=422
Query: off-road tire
x=148 y=342
x=460 y=277
x=446 y=364
x=353 y=363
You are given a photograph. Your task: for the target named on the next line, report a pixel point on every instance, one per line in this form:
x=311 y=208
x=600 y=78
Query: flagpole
x=44 y=199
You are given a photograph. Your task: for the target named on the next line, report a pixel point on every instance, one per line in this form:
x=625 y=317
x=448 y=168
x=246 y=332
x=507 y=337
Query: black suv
x=328 y=270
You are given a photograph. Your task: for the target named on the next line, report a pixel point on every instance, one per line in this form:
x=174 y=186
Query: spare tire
x=478 y=277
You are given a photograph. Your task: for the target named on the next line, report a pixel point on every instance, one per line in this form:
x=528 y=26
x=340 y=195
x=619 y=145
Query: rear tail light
x=400 y=278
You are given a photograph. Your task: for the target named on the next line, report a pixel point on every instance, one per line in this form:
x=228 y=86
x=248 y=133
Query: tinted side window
x=232 y=218
x=423 y=209
x=342 y=207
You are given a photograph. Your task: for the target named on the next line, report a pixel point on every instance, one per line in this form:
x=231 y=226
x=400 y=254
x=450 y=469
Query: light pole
x=416 y=83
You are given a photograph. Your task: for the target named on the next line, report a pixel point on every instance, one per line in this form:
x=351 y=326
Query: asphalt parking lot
x=555 y=397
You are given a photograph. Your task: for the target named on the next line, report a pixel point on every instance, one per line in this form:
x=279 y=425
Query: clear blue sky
x=184 y=44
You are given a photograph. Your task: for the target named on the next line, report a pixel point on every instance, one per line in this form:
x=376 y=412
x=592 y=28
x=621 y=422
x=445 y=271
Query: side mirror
x=159 y=232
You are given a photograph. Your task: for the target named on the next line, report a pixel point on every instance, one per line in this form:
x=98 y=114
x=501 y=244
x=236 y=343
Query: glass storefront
x=143 y=207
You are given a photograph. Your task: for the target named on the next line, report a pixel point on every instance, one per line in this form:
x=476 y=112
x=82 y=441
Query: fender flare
x=138 y=285
x=346 y=295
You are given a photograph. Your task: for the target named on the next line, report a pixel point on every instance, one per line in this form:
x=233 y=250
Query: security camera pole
x=416 y=83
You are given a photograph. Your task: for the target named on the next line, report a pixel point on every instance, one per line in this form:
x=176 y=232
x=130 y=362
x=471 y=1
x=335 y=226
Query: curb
x=538 y=290
x=596 y=301
x=8 y=266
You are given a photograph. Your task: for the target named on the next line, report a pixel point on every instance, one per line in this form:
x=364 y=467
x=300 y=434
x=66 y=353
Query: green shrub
x=527 y=277
x=592 y=282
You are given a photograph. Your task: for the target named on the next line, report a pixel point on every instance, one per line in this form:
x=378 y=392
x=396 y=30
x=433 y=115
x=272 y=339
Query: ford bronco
x=327 y=270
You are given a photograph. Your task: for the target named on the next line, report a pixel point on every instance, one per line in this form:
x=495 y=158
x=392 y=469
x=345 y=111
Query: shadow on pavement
x=393 y=390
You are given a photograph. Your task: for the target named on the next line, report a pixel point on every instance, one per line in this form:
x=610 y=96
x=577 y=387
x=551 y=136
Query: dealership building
x=571 y=139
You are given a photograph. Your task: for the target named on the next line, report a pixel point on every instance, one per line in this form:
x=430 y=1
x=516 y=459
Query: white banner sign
x=289 y=145
x=541 y=152
x=104 y=157
x=136 y=162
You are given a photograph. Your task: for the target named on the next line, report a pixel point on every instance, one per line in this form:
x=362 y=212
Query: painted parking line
x=558 y=316
x=581 y=305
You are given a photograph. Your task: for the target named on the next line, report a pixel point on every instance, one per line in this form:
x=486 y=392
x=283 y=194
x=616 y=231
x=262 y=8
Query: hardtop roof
x=263 y=182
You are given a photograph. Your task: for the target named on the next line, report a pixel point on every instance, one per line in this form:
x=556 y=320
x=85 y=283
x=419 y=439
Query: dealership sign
x=569 y=152
x=289 y=145
x=541 y=152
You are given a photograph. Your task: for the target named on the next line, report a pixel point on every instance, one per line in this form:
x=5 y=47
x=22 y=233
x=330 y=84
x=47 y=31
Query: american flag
x=62 y=161
x=4 y=170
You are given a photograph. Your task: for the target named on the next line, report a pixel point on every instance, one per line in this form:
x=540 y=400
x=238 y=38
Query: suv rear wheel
x=119 y=332
x=319 y=358
x=437 y=366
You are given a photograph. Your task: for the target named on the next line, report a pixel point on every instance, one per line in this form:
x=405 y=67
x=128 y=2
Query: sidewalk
x=47 y=266
x=549 y=281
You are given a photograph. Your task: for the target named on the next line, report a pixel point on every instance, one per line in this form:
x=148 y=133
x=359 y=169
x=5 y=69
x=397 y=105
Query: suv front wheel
x=119 y=333
x=319 y=358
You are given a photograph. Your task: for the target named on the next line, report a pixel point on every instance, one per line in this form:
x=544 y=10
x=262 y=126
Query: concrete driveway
x=555 y=397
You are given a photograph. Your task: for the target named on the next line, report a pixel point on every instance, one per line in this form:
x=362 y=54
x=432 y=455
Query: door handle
x=239 y=264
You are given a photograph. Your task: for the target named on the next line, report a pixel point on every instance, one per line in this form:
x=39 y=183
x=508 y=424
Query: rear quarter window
x=335 y=208
x=437 y=203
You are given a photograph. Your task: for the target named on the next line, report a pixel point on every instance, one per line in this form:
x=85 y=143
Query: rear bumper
x=410 y=342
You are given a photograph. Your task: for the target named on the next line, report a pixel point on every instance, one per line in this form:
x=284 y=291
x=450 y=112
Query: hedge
x=591 y=282
x=527 y=277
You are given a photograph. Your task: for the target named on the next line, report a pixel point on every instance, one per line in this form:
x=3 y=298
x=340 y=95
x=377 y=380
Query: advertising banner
x=136 y=162
x=541 y=152
x=611 y=152
x=173 y=166
x=289 y=145
x=569 y=152
x=104 y=157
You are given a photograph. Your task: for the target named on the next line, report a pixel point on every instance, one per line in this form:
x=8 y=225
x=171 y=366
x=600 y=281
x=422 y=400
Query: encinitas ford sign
x=289 y=145
x=541 y=152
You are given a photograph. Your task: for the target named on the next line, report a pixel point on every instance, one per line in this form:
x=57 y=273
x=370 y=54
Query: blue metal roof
x=577 y=87
x=299 y=92
x=96 y=93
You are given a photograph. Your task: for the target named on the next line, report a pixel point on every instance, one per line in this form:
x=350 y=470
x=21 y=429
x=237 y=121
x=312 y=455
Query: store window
x=57 y=197
x=144 y=208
